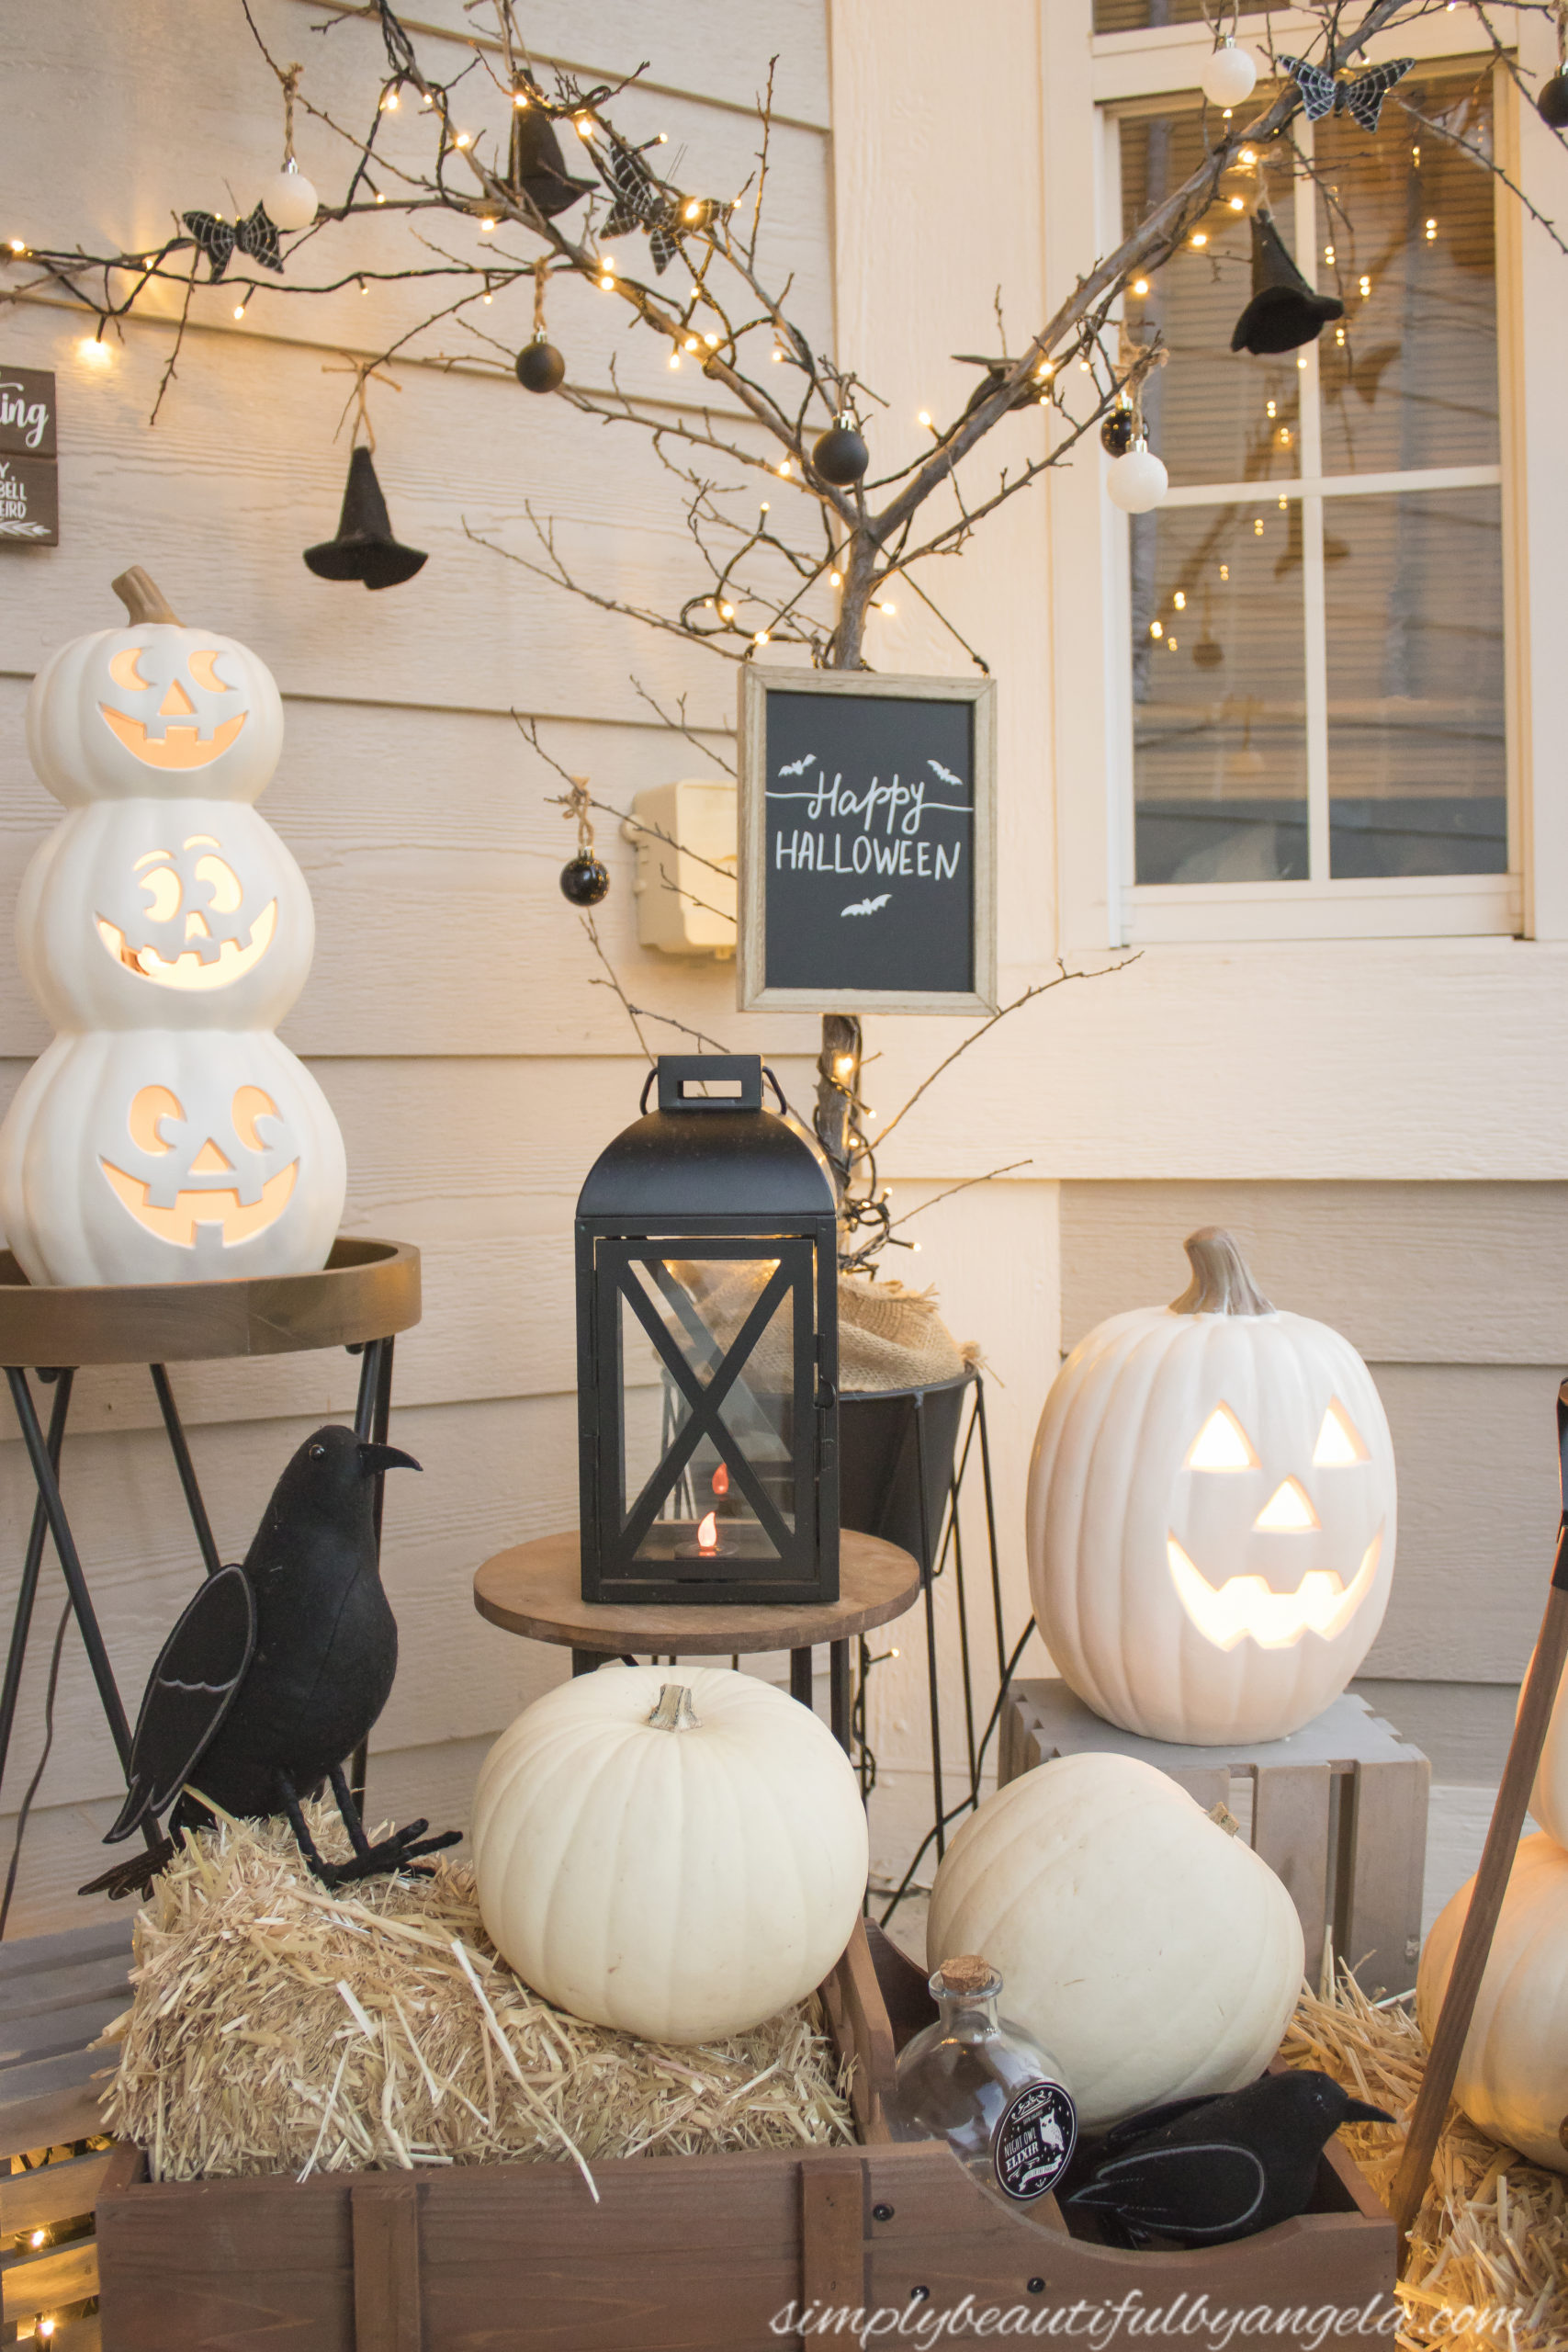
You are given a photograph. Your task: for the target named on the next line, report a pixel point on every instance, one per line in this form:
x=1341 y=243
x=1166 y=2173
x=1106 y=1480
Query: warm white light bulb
x=762 y=638
x=465 y=138
x=924 y=417
x=1180 y=600
x=835 y=580
x=727 y=612
x=1140 y=287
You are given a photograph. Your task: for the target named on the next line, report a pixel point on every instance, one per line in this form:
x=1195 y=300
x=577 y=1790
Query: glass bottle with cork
x=981 y=2084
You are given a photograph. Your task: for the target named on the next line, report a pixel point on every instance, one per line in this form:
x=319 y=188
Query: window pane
x=1410 y=379
x=1213 y=415
x=1416 y=762
x=1219 y=715
x=1132 y=15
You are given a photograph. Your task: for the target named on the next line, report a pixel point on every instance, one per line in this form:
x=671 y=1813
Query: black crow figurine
x=1205 y=2170
x=275 y=1672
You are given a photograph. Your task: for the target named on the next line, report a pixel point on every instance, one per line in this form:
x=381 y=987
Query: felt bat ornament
x=219 y=240
x=1201 y=2171
x=1360 y=96
x=275 y=1672
x=642 y=201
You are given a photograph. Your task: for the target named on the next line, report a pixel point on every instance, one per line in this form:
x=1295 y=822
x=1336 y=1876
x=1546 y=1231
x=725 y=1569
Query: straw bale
x=1492 y=2234
x=277 y=2027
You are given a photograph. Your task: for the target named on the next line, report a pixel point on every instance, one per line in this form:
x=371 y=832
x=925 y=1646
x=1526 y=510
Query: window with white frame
x=1315 y=709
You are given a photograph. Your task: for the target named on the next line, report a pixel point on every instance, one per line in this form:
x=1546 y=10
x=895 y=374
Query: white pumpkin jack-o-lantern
x=677 y=1858
x=166 y=1134
x=1211 y=1513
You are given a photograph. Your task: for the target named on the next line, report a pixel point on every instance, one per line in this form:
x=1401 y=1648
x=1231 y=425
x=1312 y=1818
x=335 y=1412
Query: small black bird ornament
x=1201 y=2171
x=275 y=1672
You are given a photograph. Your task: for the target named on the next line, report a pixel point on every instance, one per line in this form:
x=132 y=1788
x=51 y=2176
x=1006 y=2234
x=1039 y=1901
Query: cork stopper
x=968 y=1972
x=1220 y=1283
x=674 y=1710
x=142 y=598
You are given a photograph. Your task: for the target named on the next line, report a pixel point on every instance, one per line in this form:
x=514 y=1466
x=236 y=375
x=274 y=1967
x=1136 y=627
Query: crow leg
x=302 y=1837
x=350 y=1811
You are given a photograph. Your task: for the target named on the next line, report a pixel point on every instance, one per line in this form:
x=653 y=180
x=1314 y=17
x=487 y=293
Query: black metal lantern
x=707 y=1350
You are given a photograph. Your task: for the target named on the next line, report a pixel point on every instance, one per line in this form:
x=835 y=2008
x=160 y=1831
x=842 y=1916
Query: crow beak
x=1358 y=2111
x=376 y=1458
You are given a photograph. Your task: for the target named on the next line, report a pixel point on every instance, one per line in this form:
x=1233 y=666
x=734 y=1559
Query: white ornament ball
x=1229 y=77
x=1137 y=481
x=1156 y=1957
x=289 y=201
x=680 y=1879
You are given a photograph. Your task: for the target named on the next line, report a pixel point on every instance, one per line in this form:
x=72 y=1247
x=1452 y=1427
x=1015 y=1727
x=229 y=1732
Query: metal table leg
x=839 y=1693
x=800 y=1677
x=21 y=1622
x=372 y=1415
x=186 y=1467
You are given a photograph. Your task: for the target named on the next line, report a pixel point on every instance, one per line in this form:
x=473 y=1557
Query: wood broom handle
x=1492 y=1878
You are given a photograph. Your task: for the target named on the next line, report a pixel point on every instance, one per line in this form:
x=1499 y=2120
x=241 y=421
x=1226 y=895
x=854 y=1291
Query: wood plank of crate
x=385 y=2222
x=833 y=2218
x=1290 y=1831
x=1383 y=1922
x=49 y=2101
x=51 y=2193
x=38 y=2282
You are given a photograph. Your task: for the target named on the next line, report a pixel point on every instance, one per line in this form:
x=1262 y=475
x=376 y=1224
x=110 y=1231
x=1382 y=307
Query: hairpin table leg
x=372 y=1414
x=839 y=1693
x=21 y=1623
x=186 y=1467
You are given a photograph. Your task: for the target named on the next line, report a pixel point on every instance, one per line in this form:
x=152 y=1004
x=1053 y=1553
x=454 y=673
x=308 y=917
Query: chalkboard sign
x=29 y=498
x=867 y=842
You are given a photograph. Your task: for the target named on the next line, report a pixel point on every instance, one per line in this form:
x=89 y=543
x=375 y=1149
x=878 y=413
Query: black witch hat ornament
x=1284 y=312
x=364 y=548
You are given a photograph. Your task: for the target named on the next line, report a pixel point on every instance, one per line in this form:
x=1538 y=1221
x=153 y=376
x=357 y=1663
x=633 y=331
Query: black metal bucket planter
x=901 y=1471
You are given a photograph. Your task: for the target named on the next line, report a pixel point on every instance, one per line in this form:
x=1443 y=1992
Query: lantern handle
x=778 y=1090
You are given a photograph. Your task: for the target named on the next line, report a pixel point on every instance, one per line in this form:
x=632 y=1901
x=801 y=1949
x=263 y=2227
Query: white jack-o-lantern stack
x=166 y=1135
x=1211 y=1513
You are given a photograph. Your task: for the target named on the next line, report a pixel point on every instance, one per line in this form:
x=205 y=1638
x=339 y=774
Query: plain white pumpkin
x=1154 y=1955
x=1513 y=2071
x=1211 y=1512
x=677 y=1883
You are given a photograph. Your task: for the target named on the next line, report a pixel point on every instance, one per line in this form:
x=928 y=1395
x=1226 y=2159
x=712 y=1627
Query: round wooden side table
x=536 y=1590
x=366 y=1293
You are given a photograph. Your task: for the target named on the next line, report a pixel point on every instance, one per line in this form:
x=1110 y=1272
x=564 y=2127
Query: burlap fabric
x=889 y=1337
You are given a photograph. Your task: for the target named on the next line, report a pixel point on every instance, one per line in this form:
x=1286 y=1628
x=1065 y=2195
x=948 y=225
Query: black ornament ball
x=1553 y=104
x=840 y=456
x=1116 y=433
x=540 y=367
x=584 y=881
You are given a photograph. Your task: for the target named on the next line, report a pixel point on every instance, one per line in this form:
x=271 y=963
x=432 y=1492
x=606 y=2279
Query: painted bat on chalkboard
x=867 y=906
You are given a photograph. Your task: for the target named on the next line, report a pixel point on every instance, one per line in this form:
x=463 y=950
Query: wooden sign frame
x=754 y=995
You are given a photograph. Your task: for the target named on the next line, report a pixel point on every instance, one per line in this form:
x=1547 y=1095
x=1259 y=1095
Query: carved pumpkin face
x=168 y=705
x=178 y=1174
x=155 y=712
x=1211 y=1513
x=181 y=920
x=1291 y=1544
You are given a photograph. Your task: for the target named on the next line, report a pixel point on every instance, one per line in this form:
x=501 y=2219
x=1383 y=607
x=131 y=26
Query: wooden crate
x=57 y=1993
x=1338 y=1810
x=682 y=2254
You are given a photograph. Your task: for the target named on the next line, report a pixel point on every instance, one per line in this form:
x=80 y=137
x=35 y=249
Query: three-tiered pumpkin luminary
x=707 y=1350
x=166 y=1135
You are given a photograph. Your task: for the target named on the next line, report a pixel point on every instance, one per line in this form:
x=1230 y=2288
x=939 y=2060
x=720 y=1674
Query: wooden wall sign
x=29 y=498
x=867 y=842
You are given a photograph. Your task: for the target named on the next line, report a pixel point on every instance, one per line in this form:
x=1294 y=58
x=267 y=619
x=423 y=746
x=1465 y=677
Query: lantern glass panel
x=708 y=1403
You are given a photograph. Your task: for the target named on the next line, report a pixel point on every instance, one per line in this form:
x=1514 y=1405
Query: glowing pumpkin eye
x=1222 y=1444
x=1288 y=1511
x=125 y=674
x=226 y=891
x=1339 y=1442
x=202 y=665
x=162 y=888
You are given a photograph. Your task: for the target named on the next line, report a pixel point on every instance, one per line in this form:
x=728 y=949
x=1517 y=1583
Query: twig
x=679 y=727
x=1041 y=988
x=589 y=926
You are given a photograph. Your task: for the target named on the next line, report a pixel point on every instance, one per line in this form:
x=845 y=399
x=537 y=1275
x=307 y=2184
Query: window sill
x=1422 y=907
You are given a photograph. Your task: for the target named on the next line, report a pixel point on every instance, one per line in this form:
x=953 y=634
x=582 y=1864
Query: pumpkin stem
x=142 y=598
x=674 y=1710
x=1220 y=1283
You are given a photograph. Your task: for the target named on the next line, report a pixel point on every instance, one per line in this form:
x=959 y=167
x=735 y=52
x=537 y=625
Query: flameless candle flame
x=720 y=1482
x=707 y=1533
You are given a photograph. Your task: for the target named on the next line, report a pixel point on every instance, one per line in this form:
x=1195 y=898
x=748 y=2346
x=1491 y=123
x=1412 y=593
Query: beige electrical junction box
x=685 y=839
